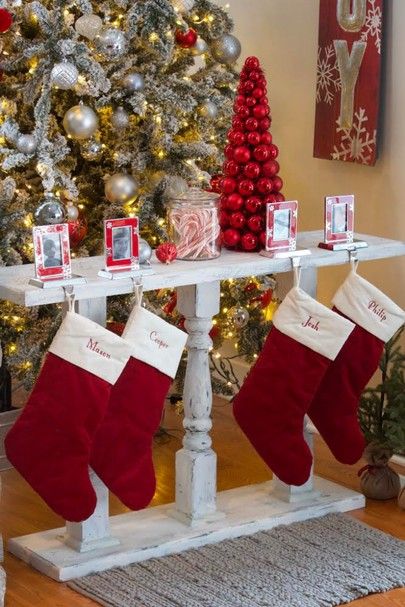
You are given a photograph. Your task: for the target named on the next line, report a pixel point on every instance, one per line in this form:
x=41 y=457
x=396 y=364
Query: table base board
x=152 y=533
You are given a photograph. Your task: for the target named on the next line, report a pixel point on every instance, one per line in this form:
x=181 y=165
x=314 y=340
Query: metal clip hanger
x=70 y=296
x=138 y=289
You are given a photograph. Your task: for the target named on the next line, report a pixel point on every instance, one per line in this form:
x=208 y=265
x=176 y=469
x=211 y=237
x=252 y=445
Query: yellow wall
x=283 y=34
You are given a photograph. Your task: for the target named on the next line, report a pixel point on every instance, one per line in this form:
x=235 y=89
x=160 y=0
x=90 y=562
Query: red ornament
x=241 y=154
x=116 y=327
x=236 y=137
x=228 y=151
x=166 y=252
x=231 y=237
x=254 y=223
x=277 y=183
x=266 y=138
x=228 y=185
x=243 y=111
x=223 y=219
x=186 y=39
x=252 y=124
x=270 y=199
x=252 y=170
x=254 y=138
x=280 y=197
x=263 y=238
x=265 y=124
x=6 y=20
x=223 y=201
x=255 y=75
x=238 y=123
x=77 y=230
x=262 y=153
x=231 y=168
x=258 y=92
x=170 y=306
x=246 y=187
x=252 y=63
x=237 y=220
x=250 y=101
x=249 y=241
x=270 y=168
x=248 y=86
x=216 y=183
x=273 y=151
x=264 y=185
x=235 y=202
x=240 y=100
x=260 y=111
x=253 y=204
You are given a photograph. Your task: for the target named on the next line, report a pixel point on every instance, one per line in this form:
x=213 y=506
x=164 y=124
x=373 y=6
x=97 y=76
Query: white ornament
x=121 y=188
x=92 y=150
x=111 y=43
x=120 y=118
x=200 y=47
x=208 y=110
x=80 y=122
x=72 y=212
x=64 y=75
x=182 y=6
x=226 y=49
x=26 y=144
x=89 y=26
x=134 y=82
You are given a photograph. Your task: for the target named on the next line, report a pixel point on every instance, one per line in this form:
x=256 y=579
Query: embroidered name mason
x=377 y=310
x=157 y=340
x=311 y=323
x=93 y=345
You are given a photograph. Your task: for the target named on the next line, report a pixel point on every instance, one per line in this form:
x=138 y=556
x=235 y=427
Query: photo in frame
x=339 y=219
x=52 y=252
x=121 y=243
x=281 y=226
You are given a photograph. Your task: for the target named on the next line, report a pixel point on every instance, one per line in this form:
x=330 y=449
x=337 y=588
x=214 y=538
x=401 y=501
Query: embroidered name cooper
x=93 y=345
x=377 y=310
x=310 y=322
x=156 y=339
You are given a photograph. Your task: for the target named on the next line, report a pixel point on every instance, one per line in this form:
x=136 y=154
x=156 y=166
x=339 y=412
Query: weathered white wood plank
x=14 y=280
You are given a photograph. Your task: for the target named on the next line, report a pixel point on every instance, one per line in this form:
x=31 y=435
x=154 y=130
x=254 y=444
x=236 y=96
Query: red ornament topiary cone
x=250 y=177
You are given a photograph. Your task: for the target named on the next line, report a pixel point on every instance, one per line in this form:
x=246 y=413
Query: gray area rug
x=322 y=562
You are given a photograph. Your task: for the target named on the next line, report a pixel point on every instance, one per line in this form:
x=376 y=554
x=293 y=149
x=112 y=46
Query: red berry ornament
x=252 y=63
x=253 y=204
x=251 y=101
x=277 y=183
x=166 y=252
x=273 y=151
x=266 y=138
x=237 y=220
x=186 y=39
x=262 y=153
x=223 y=219
x=255 y=75
x=260 y=111
x=252 y=170
x=6 y=20
x=234 y=202
x=231 y=168
x=238 y=123
x=258 y=92
x=280 y=197
x=228 y=151
x=270 y=168
x=246 y=187
x=265 y=124
x=264 y=185
x=228 y=185
x=254 y=223
x=249 y=241
x=236 y=137
x=216 y=183
x=252 y=124
x=270 y=199
x=241 y=154
x=254 y=138
x=263 y=238
x=231 y=237
x=243 y=111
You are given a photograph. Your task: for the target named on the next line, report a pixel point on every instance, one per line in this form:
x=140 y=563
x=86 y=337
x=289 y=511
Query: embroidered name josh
x=93 y=345
x=312 y=323
x=377 y=310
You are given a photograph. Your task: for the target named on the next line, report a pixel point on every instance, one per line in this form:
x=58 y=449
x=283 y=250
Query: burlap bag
x=378 y=480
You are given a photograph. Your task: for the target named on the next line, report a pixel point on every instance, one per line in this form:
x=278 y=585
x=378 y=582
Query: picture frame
x=281 y=226
x=121 y=244
x=339 y=219
x=52 y=252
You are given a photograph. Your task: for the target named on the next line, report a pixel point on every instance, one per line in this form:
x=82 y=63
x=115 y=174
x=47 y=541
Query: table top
x=15 y=287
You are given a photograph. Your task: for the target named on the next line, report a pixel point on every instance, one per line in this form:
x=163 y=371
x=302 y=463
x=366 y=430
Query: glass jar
x=194 y=225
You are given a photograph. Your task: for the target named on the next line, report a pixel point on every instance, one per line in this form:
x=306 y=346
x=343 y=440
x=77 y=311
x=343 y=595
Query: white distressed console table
x=199 y=515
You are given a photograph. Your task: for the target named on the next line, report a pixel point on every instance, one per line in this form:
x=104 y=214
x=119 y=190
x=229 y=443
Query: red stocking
x=334 y=408
x=272 y=403
x=122 y=449
x=50 y=442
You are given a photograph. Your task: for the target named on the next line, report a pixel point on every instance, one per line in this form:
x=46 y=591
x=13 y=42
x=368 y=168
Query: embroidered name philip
x=94 y=347
x=377 y=310
x=158 y=340
x=311 y=323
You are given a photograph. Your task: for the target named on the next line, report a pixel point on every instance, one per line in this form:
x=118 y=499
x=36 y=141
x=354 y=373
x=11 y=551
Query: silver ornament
x=200 y=47
x=145 y=251
x=26 y=144
x=208 y=110
x=120 y=118
x=175 y=186
x=240 y=317
x=72 y=212
x=182 y=6
x=226 y=49
x=64 y=75
x=89 y=26
x=80 y=122
x=50 y=210
x=134 y=82
x=121 y=188
x=111 y=43
x=92 y=150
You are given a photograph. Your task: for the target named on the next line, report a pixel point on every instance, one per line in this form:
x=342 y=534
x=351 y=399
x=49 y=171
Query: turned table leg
x=196 y=463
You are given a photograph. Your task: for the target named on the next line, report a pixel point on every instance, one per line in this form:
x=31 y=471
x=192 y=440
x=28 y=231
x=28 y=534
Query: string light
x=153 y=37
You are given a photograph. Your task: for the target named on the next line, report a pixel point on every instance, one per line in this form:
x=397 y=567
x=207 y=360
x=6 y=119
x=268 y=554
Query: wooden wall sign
x=348 y=80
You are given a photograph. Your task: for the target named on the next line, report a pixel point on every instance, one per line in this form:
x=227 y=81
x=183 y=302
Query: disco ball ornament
x=121 y=188
x=145 y=251
x=80 y=122
x=208 y=110
x=89 y=26
x=182 y=6
x=77 y=230
x=26 y=144
x=120 y=118
x=175 y=186
x=111 y=43
x=134 y=82
x=64 y=75
x=240 y=317
x=200 y=47
x=72 y=212
x=92 y=150
x=49 y=210
x=226 y=49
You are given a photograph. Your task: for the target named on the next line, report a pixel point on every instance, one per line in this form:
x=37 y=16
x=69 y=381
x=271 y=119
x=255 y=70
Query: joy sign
x=348 y=80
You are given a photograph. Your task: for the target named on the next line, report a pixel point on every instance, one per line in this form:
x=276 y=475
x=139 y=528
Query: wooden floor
x=23 y=512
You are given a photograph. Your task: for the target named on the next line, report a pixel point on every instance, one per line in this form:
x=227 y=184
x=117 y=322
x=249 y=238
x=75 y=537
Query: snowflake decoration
x=373 y=25
x=356 y=144
x=327 y=75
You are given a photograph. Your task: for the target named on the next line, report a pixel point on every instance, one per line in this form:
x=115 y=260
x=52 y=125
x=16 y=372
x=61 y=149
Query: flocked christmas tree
x=108 y=109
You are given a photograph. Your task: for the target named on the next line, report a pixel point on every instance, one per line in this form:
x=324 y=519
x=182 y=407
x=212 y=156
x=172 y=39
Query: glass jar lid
x=196 y=196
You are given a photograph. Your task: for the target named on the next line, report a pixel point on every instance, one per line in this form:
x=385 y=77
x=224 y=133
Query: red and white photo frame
x=121 y=242
x=52 y=252
x=281 y=226
x=339 y=219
